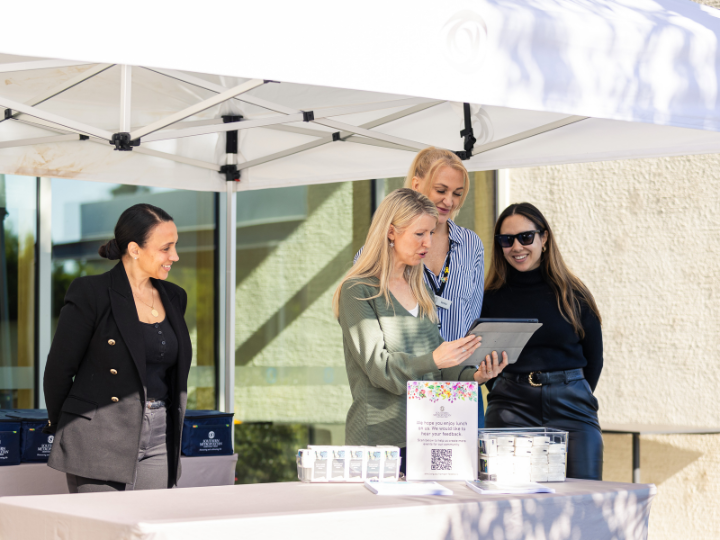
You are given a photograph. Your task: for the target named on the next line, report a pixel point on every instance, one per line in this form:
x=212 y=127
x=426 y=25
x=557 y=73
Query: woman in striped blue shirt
x=454 y=266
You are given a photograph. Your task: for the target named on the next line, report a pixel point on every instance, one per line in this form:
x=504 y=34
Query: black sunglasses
x=525 y=238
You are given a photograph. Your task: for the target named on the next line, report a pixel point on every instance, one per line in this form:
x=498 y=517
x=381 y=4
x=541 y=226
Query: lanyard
x=444 y=273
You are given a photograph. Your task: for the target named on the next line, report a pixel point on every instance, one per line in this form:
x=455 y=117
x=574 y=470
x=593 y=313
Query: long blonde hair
x=568 y=288
x=428 y=163
x=397 y=210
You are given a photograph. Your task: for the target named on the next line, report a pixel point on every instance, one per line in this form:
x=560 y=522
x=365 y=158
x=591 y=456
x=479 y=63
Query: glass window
x=84 y=215
x=18 y=224
x=294 y=245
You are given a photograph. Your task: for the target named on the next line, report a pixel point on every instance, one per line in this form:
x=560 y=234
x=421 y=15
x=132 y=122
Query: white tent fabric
x=550 y=82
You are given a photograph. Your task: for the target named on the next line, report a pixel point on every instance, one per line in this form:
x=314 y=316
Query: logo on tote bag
x=211 y=435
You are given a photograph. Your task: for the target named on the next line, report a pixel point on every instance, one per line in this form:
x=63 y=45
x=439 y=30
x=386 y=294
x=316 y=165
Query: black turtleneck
x=555 y=346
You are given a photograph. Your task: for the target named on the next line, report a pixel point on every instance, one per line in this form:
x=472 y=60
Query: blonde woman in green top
x=389 y=323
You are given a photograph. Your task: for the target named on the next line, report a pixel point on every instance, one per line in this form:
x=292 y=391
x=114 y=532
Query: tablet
x=483 y=319
x=508 y=335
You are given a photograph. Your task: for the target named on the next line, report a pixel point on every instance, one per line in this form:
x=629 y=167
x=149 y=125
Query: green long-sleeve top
x=385 y=347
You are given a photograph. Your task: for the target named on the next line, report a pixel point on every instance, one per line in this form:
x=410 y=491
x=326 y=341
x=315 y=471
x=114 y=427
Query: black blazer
x=99 y=342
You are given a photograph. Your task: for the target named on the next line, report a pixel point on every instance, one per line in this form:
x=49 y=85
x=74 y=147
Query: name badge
x=442 y=302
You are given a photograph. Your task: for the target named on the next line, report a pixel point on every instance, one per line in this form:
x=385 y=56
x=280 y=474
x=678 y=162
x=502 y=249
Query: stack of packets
x=348 y=463
x=526 y=457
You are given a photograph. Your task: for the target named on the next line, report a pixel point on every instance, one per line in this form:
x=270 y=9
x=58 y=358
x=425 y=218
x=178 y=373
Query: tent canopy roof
x=548 y=82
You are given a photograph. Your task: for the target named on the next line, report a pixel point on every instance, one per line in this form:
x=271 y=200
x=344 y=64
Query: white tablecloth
x=39 y=479
x=581 y=510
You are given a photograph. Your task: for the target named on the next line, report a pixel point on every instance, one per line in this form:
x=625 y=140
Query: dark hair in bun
x=110 y=250
x=134 y=225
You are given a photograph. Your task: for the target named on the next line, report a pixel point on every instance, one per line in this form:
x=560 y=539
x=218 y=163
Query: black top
x=555 y=346
x=161 y=351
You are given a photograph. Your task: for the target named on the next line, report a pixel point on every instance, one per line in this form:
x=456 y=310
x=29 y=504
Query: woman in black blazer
x=116 y=376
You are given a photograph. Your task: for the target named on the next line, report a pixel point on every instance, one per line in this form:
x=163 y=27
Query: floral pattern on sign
x=442 y=391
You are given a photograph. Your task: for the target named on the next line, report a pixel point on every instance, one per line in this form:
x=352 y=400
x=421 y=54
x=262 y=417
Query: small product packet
x=357 y=464
x=305 y=463
x=506 y=440
x=391 y=464
x=339 y=465
x=539 y=475
x=558 y=448
x=505 y=451
x=374 y=463
x=488 y=446
x=322 y=465
x=556 y=472
x=495 y=465
x=523 y=442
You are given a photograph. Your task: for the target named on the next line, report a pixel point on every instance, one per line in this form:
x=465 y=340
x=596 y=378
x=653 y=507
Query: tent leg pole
x=230 y=271
x=44 y=282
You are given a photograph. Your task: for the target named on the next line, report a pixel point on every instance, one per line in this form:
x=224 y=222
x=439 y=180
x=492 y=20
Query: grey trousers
x=152 y=468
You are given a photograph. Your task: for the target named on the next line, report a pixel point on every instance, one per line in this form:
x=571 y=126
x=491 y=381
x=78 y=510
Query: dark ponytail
x=134 y=225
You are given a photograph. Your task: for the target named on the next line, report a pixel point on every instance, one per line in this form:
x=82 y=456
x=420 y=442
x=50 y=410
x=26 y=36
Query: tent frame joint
x=84 y=137
x=308 y=116
x=8 y=114
x=467 y=134
x=122 y=141
x=231 y=172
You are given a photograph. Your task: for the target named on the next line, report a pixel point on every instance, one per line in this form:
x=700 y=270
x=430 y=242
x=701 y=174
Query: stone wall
x=644 y=235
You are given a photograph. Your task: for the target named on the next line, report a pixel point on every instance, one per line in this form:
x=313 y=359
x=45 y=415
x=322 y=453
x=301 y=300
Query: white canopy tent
x=268 y=95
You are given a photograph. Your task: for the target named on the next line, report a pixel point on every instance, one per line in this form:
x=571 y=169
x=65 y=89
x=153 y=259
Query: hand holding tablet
x=451 y=353
x=508 y=336
x=491 y=367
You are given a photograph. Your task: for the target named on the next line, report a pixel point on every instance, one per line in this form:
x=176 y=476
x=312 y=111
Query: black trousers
x=570 y=406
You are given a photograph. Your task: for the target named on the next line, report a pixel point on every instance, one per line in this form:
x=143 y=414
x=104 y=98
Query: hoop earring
x=544 y=249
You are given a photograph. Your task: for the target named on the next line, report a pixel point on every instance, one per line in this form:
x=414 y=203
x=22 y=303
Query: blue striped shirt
x=465 y=285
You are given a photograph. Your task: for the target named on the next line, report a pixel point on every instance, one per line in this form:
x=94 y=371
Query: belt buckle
x=530 y=378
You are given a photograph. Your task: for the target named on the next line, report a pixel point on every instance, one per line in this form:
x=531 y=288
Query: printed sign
x=442 y=424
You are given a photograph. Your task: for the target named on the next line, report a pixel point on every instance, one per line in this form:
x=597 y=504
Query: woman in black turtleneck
x=553 y=380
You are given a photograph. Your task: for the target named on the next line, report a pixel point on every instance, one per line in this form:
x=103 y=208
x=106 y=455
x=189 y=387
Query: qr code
x=440 y=460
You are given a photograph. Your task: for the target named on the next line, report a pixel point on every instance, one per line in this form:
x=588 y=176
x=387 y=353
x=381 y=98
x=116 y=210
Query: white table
x=39 y=479
x=580 y=509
